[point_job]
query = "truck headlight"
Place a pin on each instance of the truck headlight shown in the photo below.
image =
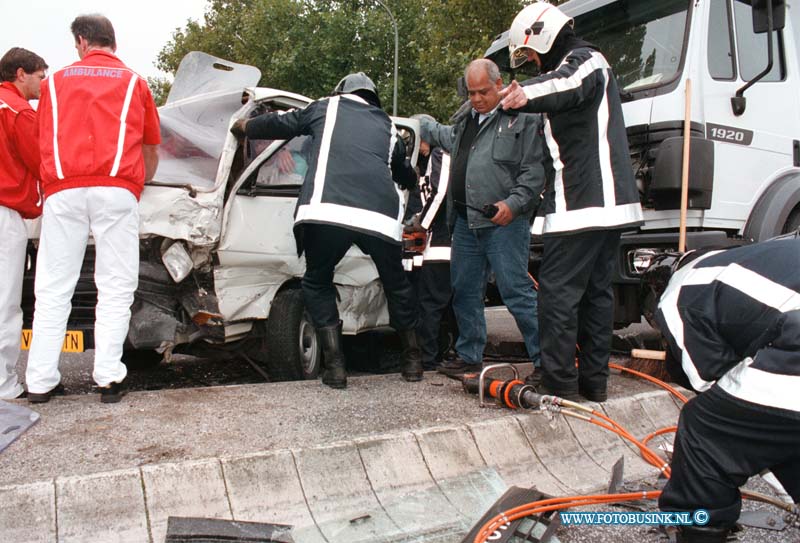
(640, 259)
(177, 261)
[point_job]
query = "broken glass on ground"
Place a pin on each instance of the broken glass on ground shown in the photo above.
(14, 421)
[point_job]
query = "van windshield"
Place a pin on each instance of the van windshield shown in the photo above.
(642, 41)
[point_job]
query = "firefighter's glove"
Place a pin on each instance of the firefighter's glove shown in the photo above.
(415, 225)
(239, 128)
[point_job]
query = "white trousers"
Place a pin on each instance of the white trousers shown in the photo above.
(111, 215)
(12, 266)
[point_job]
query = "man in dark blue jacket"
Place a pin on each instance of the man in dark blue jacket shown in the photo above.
(731, 320)
(591, 196)
(350, 196)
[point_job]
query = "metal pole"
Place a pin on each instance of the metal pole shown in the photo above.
(396, 48)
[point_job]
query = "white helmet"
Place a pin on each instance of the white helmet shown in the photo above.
(535, 27)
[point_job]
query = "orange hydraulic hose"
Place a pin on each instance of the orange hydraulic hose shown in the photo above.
(652, 379)
(607, 423)
(662, 431)
(648, 454)
(553, 504)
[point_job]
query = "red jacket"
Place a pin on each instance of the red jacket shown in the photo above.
(19, 153)
(94, 116)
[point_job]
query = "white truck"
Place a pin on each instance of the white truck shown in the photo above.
(219, 266)
(744, 182)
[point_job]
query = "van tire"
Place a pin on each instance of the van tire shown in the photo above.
(294, 351)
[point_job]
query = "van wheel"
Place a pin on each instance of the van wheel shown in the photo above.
(294, 351)
(141, 359)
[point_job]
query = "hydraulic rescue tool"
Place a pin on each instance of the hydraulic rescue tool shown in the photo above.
(515, 394)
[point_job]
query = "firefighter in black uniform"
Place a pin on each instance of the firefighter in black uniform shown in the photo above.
(350, 196)
(427, 212)
(731, 320)
(590, 195)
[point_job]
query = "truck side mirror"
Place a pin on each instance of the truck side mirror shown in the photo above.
(761, 17)
(768, 16)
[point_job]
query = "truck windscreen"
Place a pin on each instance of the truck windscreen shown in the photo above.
(643, 41)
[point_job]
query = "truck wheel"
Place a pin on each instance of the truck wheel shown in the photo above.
(141, 359)
(293, 350)
(792, 222)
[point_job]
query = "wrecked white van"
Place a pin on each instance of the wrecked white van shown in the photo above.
(219, 264)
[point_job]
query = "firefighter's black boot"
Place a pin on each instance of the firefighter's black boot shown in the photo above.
(335, 376)
(702, 534)
(412, 356)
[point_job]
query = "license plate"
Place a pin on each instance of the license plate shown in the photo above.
(73, 341)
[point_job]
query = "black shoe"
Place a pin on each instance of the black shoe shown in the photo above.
(458, 367)
(44, 397)
(412, 357)
(334, 375)
(112, 393)
(534, 379)
(594, 395)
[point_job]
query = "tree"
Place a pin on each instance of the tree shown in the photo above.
(160, 87)
(306, 46)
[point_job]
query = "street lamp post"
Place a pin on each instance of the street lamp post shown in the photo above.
(396, 41)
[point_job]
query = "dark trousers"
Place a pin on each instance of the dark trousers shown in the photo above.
(576, 305)
(433, 292)
(325, 245)
(723, 441)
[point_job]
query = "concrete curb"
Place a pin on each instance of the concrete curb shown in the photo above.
(426, 485)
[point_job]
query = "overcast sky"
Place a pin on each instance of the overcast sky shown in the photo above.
(142, 27)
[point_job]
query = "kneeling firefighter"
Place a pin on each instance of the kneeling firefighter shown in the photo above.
(349, 196)
(731, 321)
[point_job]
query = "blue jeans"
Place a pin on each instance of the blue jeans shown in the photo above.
(504, 249)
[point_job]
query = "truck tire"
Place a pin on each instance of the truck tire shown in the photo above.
(294, 351)
(141, 359)
(792, 222)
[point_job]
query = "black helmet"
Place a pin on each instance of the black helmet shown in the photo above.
(654, 283)
(656, 278)
(353, 82)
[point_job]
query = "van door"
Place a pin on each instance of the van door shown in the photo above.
(257, 252)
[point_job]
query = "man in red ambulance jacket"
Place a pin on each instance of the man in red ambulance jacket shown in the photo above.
(21, 73)
(98, 133)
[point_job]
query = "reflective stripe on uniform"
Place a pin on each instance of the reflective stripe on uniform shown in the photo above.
(742, 381)
(363, 219)
(54, 100)
(436, 254)
(441, 192)
(123, 125)
(324, 151)
(762, 387)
